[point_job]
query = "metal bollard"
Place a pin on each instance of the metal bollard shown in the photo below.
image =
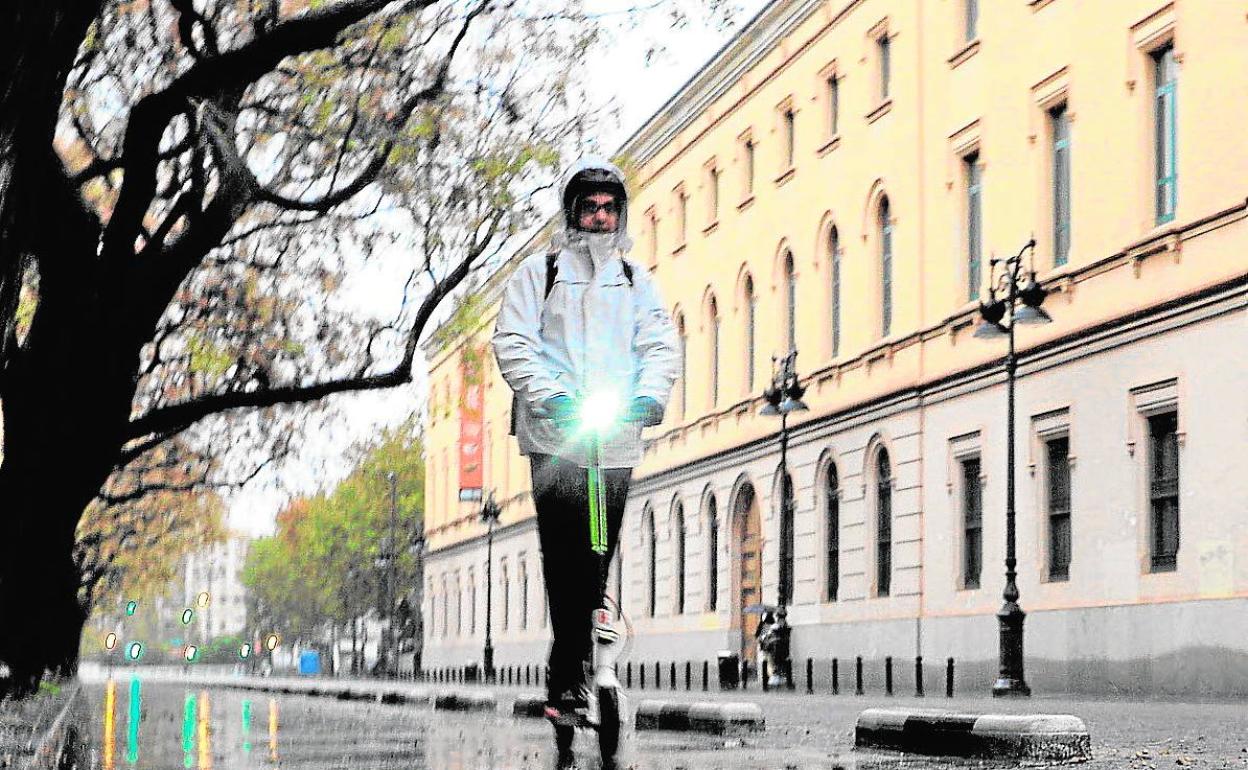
(706, 674)
(658, 676)
(672, 677)
(765, 679)
(810, 676)
(949, 678)
(918, 676)
(836, 677)
(688, 675)
(888, 675)
(858, 676)
(628, 675)
(745, 674)
(642, 670)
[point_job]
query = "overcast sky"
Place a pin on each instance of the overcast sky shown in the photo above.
(637, 96)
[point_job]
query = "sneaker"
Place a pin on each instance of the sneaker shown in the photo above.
(570, 707)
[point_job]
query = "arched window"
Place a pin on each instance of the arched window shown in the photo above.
(680, 331)
(678, 521)
(524, 595)
(790, 304)
(459, 608)
(834, 298)
(446, 608)
(712, 555)
(886, 269)
(652, 566)
(832, 522)
(472, 603)
(506, 596)
(750, 303)
(884, 524)
(786, 541)
(713, 324)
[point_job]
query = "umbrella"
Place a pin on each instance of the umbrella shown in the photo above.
(759, 609)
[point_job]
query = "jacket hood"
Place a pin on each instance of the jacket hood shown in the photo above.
(567, 236)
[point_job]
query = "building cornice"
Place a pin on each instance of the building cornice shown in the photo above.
(1226, 297)
(724, 70)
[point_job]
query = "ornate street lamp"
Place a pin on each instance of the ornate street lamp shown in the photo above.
(490, 513)
(783, 396)
(1021, 305)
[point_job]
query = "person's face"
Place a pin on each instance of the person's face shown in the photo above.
(598, 213)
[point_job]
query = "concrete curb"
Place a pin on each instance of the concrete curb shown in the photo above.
(700, 716)
(465, 702)
(529, 706)
(390, 697)
(1047, 737)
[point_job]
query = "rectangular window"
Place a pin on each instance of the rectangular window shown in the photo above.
(712, 204)
(974, 225)
(1057, 463)
(834, 105)
(749, 167)
(972, 523)
(972, 20)
(682, 214)
(1163, 477)
(836, 295)
(790, 137)
(1059, 128)
(1164, 144)
(885, 65)
(654, 235)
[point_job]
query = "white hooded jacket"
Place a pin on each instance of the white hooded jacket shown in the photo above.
(593, 334)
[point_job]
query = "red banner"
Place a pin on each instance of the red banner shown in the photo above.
(471, 452)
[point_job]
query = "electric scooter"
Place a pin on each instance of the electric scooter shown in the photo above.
(605, 712)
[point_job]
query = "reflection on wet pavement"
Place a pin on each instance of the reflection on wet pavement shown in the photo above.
(318, 734)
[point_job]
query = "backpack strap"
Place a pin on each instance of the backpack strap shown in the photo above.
(552, 270)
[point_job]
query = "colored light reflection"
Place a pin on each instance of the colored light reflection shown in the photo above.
(132, 726)
(203, 599)
(110, 720)
(205, 736)
(246, 727)
(273, 729)
(110, 641)
(187, 614)
(131, 607)
(188, 730)
(271, 642)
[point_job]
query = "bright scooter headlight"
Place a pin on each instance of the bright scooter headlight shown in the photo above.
(600, 411)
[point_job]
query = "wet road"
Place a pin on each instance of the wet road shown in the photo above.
(144, 726)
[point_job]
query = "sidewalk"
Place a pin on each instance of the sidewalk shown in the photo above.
(1127, 735)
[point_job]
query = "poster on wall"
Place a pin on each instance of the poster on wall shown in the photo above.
(471, 452)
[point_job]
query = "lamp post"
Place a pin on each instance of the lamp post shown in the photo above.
(1010, 617)
(490, 513)
(783, 396)
(392, 662)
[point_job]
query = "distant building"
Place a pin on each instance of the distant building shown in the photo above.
(217, 570)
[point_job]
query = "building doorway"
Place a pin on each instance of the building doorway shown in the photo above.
(747, 573)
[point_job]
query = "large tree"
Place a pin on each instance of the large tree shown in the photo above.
(184, 187)
(190, 194)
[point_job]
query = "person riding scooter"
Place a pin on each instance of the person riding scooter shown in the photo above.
(577, 319)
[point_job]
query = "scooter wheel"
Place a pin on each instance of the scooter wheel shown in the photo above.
(609, 725)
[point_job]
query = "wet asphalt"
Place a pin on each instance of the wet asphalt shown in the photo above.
(138, 725)
(187, 725)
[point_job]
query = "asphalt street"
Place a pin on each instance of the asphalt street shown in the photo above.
(195, 726)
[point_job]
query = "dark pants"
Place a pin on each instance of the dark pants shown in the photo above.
(574, 582)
